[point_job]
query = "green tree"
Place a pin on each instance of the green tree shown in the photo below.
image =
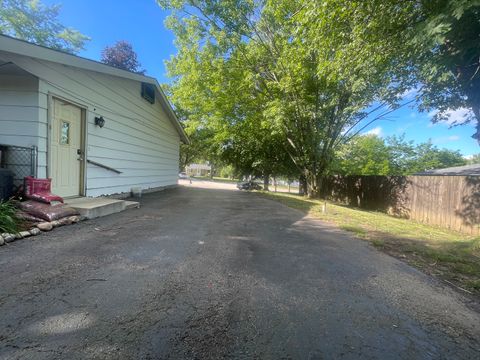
(408, 159)
(402, 155)
(301, 67)
(199, 148)
(447, 58)
(364, 155)
(33, 21)
(254, 150)
(432, 47)
(475, 159)
(372, 155)
(430, 157)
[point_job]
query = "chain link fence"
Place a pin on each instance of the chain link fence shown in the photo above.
(22, 161)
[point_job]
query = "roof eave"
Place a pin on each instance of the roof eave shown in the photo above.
(25, 48)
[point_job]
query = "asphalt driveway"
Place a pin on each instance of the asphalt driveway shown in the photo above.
(210, 274)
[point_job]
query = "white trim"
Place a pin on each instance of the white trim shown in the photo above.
(83, 138)
(27, 49)
(48, 170)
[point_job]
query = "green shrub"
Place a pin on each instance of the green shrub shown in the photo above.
(9, 223)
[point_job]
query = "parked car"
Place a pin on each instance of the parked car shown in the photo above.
(248, 185)
(183, 175)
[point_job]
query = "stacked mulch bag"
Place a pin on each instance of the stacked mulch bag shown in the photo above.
(43, 205)
(36, 211)
(42, 212)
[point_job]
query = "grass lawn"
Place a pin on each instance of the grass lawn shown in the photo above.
(454, 257)
(284, 188)
(217, 179)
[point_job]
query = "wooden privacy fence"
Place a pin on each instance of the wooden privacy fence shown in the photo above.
(452, 202)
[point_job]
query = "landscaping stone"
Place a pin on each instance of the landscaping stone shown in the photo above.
(9, 238)
(56, 223)
(25, 234)
(65, 221)
(35, 231)
(45, 226)
(74, 219)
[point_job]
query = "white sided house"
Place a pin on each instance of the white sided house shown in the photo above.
(99, 130)
(198, 169)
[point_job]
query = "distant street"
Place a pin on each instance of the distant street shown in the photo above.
(207, 272)
(218, 184)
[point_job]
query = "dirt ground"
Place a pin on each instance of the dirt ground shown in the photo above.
(206, 273)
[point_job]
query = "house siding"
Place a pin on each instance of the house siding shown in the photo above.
(138, 139)
(20, 111)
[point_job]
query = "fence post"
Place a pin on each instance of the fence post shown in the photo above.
(34, 161)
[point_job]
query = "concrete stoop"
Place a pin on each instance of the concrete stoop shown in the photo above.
(131, 205)
(92, 208)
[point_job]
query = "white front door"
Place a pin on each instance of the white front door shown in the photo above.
(65, 147)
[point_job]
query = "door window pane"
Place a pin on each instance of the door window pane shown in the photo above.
(65, 133)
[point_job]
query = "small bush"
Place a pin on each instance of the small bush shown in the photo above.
(9, 223)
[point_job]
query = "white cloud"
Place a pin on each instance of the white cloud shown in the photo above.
(468, 157)
(375, 131)
(410, 93)
(453, 116)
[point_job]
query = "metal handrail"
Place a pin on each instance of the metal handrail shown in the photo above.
(104, 166)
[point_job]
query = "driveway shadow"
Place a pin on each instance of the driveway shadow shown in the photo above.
(208, 273)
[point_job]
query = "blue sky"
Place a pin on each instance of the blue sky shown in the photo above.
(140, 22)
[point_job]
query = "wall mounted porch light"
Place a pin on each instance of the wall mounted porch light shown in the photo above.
(100, 121)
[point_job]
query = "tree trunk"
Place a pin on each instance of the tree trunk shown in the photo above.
(476, 112)
(302, 185)
(320, 186)
(312, 187)
(212, 169)
(314, 184)
(266, 179)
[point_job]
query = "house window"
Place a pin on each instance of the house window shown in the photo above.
(148, 92)
(65, 133)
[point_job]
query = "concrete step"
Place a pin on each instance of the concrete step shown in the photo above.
(93, 208)
(132, 204)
